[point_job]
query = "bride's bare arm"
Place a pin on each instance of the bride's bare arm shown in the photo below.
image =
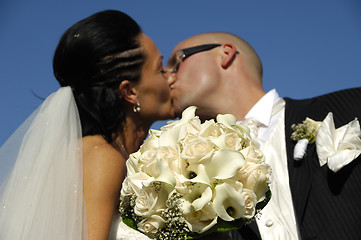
(104, 170)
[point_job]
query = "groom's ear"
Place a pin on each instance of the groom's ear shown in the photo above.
(128, 92)
(229, 52)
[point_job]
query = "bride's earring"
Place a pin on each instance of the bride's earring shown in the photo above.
(136, 108)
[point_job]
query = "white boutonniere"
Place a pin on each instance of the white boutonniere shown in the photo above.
(304, 133)
(336, 147)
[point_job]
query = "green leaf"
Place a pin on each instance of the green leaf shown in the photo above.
(221, 226)
(262, 204)
(129, 222)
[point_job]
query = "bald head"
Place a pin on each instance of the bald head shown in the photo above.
(223, 79)
(245, 49)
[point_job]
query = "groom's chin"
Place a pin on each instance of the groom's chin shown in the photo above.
(178, 110)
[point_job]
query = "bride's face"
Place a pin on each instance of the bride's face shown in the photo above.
(153, 88)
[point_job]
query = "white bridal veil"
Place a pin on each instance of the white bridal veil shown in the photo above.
(41, 193)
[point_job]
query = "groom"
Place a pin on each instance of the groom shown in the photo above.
(221, 73)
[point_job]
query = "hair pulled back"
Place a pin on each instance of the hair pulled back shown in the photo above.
(93, 57)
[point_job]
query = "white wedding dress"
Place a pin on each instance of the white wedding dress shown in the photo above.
(41, 177)
(120, 231)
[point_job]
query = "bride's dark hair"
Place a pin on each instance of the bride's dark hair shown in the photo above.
(93, 57)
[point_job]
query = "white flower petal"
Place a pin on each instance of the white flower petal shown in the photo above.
(201, 220)
(165, 175)
(151, 142)
(228, 203)
(224, 164)
(189, 113)
(205, 198)
(226, 119)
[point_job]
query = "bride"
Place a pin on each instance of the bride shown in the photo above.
(62, 169)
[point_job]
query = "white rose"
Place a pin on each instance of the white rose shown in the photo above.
(172, 133)
(151, 225)
(155, 163)
(253, 154)
(172, 156)
(132, 163)
(250, 202)
(233, 141)
(228, 123)
(151, 200)
(193, 126)
(197, 150)
(201, 220)
(255, 177)
(147, 162)
(230, 139)
(152, 141)
(210, 129)
(134, 183)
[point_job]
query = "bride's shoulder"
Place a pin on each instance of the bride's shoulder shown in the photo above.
(101, 159)
(96, 147)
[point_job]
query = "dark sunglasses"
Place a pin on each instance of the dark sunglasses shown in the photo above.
(182, 54)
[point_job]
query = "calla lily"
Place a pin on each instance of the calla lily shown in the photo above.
(165, 174)
(226, 119)
(197, 208)
(201, 174)
(206, 197)
(228, 203)
(198, 195)
(189, 113)
(224, 164)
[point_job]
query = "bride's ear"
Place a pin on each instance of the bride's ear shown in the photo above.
(228, 54)
(128, 92)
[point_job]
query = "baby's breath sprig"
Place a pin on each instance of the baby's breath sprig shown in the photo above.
(305, 130)
(126, 209)
(176, 227)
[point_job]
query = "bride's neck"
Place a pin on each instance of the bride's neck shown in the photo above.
(132, 134)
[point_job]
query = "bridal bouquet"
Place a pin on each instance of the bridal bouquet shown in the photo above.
(190, 179)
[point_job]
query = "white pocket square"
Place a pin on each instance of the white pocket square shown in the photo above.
(338, 147)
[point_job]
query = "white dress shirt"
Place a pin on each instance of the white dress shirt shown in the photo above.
(277, 219)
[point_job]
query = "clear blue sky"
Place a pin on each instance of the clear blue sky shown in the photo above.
(307, 47)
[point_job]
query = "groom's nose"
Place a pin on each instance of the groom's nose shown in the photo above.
(171, 79)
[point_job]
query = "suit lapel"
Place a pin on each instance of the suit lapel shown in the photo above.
(300, 172)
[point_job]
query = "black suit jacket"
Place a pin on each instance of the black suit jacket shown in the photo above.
(327, 204)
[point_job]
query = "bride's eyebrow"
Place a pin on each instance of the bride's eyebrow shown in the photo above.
(160, 62)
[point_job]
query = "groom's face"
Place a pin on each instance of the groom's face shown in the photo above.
(195, 77)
